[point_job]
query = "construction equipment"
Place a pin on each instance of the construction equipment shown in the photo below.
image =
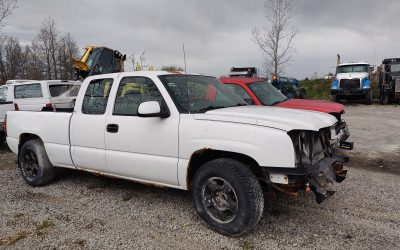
(99, 60)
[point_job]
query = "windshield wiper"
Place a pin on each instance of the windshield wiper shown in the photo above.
(210, 108)
(272, 104)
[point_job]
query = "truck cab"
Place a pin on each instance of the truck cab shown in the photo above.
(352, 81)
(389, 80)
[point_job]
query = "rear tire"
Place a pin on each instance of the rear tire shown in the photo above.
(227, 196)
(34, 164)
(334, 98)
(368, 97)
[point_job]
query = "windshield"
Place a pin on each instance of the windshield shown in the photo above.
(352, 68)
(3, 94)
(395, 67)
(266, 93)
(198, 94)
(92, 56)
(57, 90)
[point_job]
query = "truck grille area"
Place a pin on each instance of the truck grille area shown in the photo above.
(350, 84)
(310, 146)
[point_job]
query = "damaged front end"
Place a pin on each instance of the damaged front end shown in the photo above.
(317, 165)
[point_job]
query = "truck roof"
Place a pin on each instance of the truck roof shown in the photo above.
(353, 63)
(57, 82)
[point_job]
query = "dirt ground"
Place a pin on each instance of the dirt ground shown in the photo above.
(83, 211)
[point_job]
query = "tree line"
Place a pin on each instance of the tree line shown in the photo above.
(48, 56)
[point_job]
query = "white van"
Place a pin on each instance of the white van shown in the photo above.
(48, 95)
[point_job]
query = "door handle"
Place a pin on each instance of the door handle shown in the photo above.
(112, 128)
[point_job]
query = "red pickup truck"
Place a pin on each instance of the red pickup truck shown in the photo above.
(258, 91)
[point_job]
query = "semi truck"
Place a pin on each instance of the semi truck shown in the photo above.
(389, 80)
(352, 81)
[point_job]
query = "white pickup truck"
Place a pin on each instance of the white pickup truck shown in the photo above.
(182, 131)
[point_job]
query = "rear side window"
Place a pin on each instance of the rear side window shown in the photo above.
(96, 96)
(132, 91)
(57, 90)
(3, 94)
(28, 91)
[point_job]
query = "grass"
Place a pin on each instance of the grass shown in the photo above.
(319, 89)
(10, 240)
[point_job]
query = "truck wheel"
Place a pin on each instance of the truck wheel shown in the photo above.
(334, 98)
(368, 97)
(385, 99)
(227, 196)
(34, 164)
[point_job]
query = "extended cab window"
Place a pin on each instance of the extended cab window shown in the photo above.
(3, 94)
(28, 91)
(132, 91)
(241, 92)
(96, 96)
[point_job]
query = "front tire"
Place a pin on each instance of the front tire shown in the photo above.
(385, 99)
(368, 97)
(227, 196)
(34, 164)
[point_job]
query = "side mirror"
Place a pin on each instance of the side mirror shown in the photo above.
(153, 109)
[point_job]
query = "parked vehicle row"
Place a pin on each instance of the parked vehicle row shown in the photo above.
(226, 152)
(36, 96)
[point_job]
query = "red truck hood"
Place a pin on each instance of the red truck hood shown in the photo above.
(315, 105)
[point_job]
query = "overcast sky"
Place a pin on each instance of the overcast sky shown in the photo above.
(217, 33)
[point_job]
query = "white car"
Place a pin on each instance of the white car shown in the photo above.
(37, 96)
(187, 132)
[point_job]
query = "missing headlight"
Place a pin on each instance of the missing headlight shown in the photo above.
(310, 146)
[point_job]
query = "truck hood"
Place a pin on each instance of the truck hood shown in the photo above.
(275, 117)
(351, 75)
(315, 105)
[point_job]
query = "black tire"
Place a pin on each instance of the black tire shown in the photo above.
(368, 97)
(334, 98)
(385, 99)
(34, 164)
(234, 184)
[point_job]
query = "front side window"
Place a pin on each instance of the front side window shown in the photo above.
(198, 94)
(28, 91)
(241, 92)
(3, 94)
(132, 91)
(96, 96)
(266, 93)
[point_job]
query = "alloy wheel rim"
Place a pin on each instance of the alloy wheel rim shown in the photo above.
(219, 199)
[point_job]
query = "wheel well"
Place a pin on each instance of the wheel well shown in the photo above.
(26, 137)
(200, 157)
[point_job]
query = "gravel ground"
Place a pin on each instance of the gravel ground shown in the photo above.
(80, 210)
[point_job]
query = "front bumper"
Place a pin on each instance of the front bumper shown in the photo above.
(316, 178)
(347, 92)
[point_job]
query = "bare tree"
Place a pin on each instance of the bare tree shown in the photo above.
(138, 63)
(48, 39)
(6, 8)
(276, 39)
